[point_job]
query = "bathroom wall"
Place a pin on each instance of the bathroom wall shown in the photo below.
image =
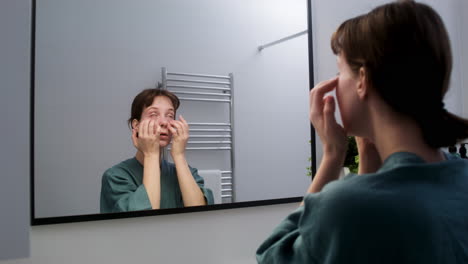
(228, 236)
(14, 123)
(464, 56)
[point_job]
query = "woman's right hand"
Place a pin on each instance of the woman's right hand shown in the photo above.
(322, 116)
(147, 140)
(332, 135)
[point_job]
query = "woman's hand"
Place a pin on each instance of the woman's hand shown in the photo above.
(332, 135)
(369, 158)
(180, 135)
(322, 116)
(147, 140)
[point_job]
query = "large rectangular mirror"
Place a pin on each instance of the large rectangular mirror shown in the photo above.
(241, 70)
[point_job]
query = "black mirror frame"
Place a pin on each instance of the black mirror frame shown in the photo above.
(93, 217)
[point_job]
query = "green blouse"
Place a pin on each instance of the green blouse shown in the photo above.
(122, 188)
(408, 211)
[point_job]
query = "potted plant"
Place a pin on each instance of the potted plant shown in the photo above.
(309, 169)
(351, 163)
(352, 156)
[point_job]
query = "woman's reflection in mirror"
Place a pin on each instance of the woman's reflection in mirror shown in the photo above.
(147, 181)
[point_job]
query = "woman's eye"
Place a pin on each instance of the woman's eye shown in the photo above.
(153, 114)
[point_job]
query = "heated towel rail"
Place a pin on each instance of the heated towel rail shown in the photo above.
(208, 136)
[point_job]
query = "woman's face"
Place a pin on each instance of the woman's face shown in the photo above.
(347, 96)
(162, 112)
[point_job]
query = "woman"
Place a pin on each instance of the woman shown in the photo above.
(146, 181)
(394, 67)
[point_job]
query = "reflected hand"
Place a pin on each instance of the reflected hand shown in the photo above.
(369, 158)
(180, 135)
(322, 116)
(147, 140)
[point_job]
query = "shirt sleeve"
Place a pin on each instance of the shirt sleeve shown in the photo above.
(120, 194)
(207, 193)
(286, 244)
(307, 235)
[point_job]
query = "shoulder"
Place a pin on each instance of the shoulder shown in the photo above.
(340, 212)
(383, 197)
(120, 170)
(339, 194)
(345, 214)
(352, 199)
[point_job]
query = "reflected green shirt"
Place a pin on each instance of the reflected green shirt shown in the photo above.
(122, 188)
(408, 211)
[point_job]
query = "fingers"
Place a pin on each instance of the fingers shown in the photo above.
(329, 110)
(182, 119)
(157, 129)
(151, 128)
(325, 86)
(134, 138)
(143, 128)
(185, 125)
(177, 125)
(317, 93)
(365, 145)
(362, 141)
(172, 129)
(147, 140)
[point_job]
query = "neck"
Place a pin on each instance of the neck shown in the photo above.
(392, 133)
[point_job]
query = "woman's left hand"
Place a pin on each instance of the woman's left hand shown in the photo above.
(369, 157)
(180, 135)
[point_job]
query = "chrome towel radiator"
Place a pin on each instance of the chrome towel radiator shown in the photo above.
(206, 136)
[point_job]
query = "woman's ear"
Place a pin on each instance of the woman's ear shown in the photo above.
(362, 87)
(135, 124)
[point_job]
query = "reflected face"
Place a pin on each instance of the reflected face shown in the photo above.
(346, 94)
(161, 111)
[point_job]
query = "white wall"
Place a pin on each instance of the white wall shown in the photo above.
(464, 56)
(14, 124)
(127, 240)
(230, 236)
(451, 13)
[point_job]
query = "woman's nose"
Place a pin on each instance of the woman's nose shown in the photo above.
(163, 122)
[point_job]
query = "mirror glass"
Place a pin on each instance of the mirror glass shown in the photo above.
(247, 109)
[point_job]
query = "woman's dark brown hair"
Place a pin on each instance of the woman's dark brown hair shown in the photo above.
(405, 50)
(145, 98)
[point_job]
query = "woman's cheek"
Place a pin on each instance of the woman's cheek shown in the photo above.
(338, 95)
